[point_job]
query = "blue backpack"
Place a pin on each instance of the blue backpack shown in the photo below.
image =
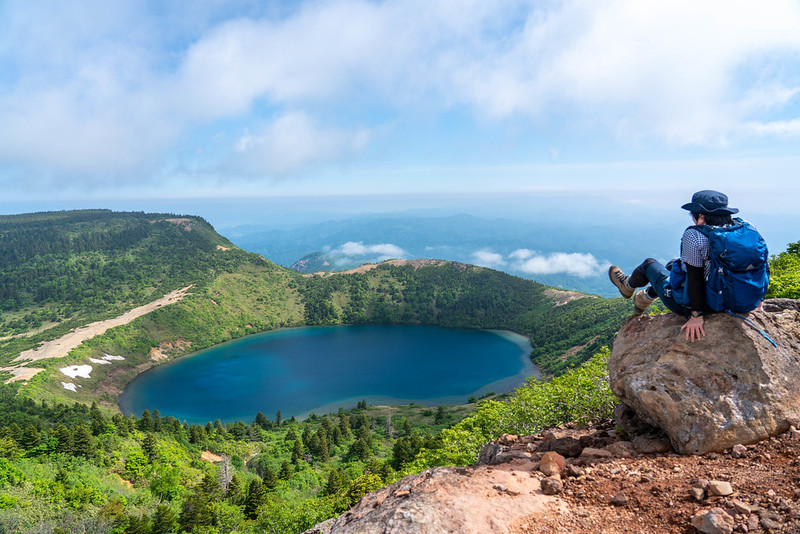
(739, 276)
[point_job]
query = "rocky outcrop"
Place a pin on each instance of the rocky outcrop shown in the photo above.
(518, 488)
(450, 499)
(731, 387)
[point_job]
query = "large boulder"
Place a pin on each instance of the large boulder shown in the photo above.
(732, 386)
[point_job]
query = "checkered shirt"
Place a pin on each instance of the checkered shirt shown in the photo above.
(695, 250)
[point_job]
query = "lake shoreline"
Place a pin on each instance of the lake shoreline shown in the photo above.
(129, 402)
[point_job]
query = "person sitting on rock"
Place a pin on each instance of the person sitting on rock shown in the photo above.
(707, 208)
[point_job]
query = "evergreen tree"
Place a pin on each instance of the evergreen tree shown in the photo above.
(196, 514)
(138, 525)
(362, 421)
(359, 450)
(328, 427)
(286, 471)
(122, 424)
(198, 511)
(146, 422)
(335, 483)
(270, 479)
(278, 418)
(239, 431)
(262, 421)
(149, 447)
(297, 451)
(440, 416)
(176, 427)
(197, 434)
(165, 520)
(406, 427)
(344, 426)
(256, 497)
(29, 437)
(210, 487)
(97, 422)
(363, 433)
(236, 490)
(314, 445)
(65, 439)
(307, 437)
(338, 439)
(158, 421)
(219, 428)
(323, 450)
(385, 471)
(83, 442)
(405, 450)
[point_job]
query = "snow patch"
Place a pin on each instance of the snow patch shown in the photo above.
(70, 386)
(73, 371)
(102, 362)
(111, 357)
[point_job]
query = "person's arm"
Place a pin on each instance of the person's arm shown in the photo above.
(696, 287)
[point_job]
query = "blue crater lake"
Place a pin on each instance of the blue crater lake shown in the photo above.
(319, 369)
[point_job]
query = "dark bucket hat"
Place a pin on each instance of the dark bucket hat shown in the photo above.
(710, 202)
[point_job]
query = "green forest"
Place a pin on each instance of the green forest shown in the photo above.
(70, 462)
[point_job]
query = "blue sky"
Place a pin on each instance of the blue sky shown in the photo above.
(641, 101)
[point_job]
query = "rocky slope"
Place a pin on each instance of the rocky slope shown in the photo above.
(611, 486)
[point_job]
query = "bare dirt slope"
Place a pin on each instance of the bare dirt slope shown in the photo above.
(59, 348)
(652, 492)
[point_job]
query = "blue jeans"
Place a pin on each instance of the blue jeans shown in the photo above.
(658, 276)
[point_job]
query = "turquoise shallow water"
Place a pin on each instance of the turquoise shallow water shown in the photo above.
(319, 369)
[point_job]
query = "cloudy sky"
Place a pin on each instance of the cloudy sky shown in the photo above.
(247, 99)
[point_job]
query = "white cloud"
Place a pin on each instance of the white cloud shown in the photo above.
(358, 248)
(575, 264)
(790, 128)
(531, 262)
(108, 89)
(521, 254)
(667, 69)
(487, 258)
(291, 142)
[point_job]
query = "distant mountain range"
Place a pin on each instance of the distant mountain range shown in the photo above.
(557, 252)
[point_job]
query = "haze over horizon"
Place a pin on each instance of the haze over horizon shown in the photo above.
(274, 113)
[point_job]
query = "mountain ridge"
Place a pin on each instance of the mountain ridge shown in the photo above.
(236, 292)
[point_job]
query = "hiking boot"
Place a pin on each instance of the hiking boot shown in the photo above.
(619, 279)
(641, 300)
